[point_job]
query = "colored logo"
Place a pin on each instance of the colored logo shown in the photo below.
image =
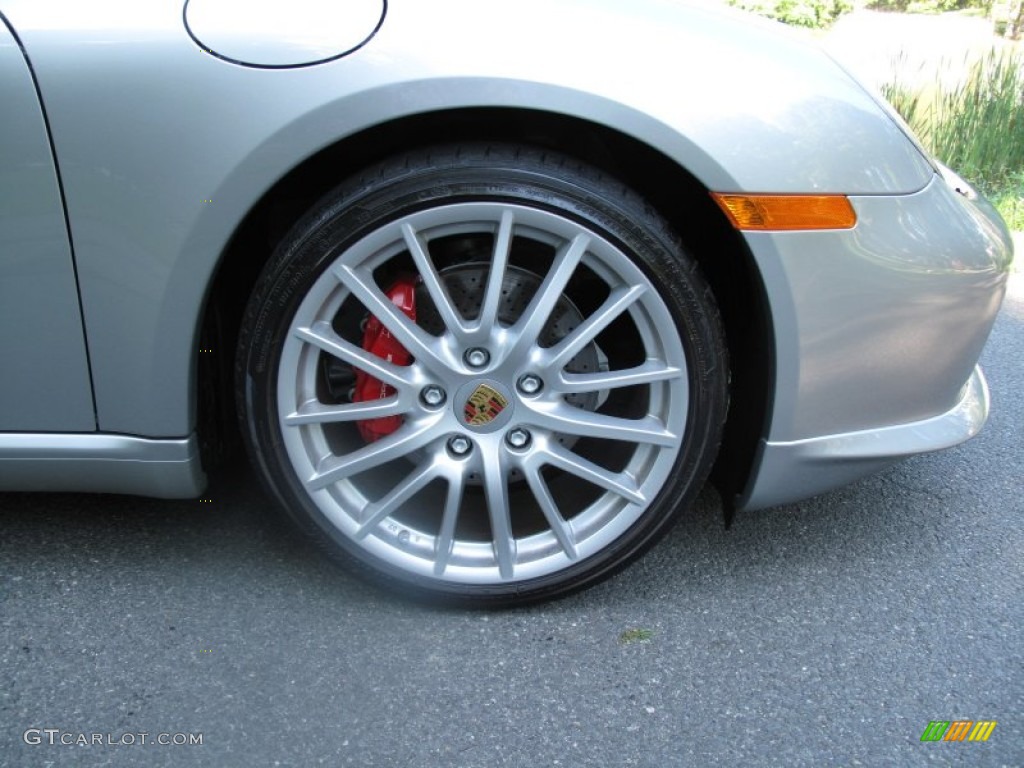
(958, 730)
(484, 406)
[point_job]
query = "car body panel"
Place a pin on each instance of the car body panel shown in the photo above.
(164, 149)
(789, 471)
(889, 318)
(148, 128)
(44, 385)
(98, 463)
(270, 33)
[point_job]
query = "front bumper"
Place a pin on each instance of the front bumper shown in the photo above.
(822, 463)
(876, 330)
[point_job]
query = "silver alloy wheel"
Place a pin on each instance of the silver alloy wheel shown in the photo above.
(503, 510)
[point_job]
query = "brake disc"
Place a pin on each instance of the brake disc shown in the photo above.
(466, 284)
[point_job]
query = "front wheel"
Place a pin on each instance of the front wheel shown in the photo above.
(487, 374)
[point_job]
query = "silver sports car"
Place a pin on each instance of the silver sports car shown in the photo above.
(492, 288)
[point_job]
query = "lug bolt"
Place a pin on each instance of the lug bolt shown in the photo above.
(433, 396)
(518, 438)
(530, 384)
(477, 357)
(459, 445)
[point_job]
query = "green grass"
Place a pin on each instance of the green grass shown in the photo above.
(1010, 202)
(636, 636)
(976, 127)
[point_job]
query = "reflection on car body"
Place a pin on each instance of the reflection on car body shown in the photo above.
(493, 294)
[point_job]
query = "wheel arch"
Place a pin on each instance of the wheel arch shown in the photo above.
(673, 191)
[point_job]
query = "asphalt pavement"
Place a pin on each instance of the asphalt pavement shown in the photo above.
(825, 633)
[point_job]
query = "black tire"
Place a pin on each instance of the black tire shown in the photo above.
(604, 499)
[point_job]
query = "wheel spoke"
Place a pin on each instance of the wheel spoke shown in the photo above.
(619, 483)
(407, 487)
(559, 417)
(496, 276)
(562, 530)
(648, 373)
(513, 291)
(621, 299)
(535, 316)
(446, 536)
(496, 490)
(315, 412)
(420, 344)
(322, 336)
(453, 321)
(394, 446)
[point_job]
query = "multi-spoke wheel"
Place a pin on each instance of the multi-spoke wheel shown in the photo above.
(483, 373)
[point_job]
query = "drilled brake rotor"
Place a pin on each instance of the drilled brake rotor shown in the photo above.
(466, 284)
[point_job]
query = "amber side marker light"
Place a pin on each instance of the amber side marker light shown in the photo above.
(787, 212)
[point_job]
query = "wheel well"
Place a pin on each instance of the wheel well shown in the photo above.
(671, 190)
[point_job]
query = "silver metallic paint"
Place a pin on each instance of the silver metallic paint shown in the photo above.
(148, 128)
(789, 471)
(271, 33)
(44, 373)
(165, 469)
(888, 318)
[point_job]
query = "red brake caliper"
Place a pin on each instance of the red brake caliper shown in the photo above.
(378, 340)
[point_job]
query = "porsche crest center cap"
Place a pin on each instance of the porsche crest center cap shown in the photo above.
(486, 405)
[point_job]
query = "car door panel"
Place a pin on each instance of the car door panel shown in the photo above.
(44, 372)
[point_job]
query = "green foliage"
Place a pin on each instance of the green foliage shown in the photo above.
(1014, 22)
(815, 14)
(1010, 203)
(977, 127)
(930, 6)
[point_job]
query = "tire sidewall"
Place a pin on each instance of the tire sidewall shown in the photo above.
(444, 177)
